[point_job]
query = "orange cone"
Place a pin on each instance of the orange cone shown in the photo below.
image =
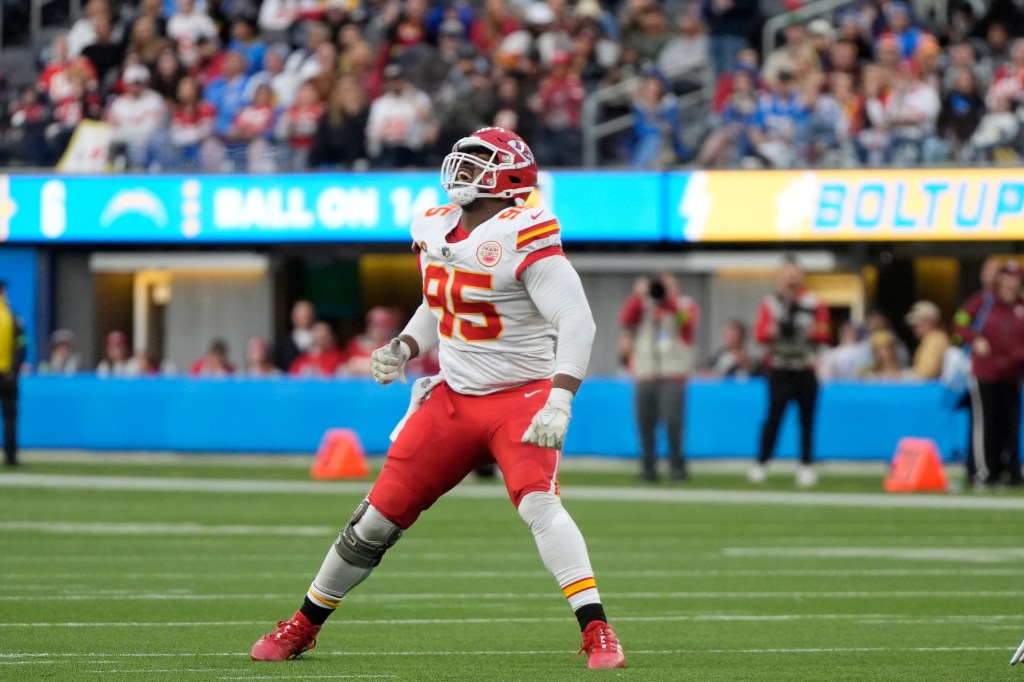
(340, 455)
(916, 467)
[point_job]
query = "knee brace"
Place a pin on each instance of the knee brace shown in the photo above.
(367, 537)
(541, 510)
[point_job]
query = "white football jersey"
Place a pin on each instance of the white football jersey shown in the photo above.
(491, 334)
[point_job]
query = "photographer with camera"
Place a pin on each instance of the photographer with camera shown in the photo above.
(658, 324)
(792, 322)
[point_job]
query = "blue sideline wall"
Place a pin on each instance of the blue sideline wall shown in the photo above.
(855, 421)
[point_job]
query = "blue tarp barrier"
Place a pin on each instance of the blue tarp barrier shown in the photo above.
(723, 418)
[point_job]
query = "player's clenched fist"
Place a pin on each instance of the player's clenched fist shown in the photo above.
(387, 363)
(547, 430)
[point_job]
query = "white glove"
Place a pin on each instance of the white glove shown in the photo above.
(387, 363)
(1019, 656)
(547, 430)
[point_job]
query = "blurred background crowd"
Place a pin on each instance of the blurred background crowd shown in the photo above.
(295, 85)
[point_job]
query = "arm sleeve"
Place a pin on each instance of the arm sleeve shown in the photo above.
(963, 320)
(556, 290)
(822, 324)
(422, 327)
(764, 320)
(632, 312)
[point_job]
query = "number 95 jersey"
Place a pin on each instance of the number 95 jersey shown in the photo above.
(491, 335)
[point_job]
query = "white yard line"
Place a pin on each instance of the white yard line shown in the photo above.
(124, 595)
(471, 490)
(189, 529)
(878, 619)
(518, 652)
(962, 554)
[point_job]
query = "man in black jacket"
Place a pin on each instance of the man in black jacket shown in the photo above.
(12, 354)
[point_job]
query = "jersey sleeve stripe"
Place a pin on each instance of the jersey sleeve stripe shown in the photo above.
(534, 232)
(537, 255)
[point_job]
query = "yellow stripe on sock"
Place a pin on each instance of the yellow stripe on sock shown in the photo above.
(331, 604)
(578, 586)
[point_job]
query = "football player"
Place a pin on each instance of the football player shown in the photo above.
(514, 331)
(1018, 655)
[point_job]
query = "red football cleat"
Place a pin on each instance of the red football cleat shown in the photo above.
(602, 646)
(290, 639)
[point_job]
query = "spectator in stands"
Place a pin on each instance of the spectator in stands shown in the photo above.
(136, 117)
(784, 59)
(511, 110)
(962, 111)
(842, 58)
(302, 60)
(84, 31)
(227, 94)
(899, 24)
(822, 37)
(732, 359)
(652, 35)
(962, 58)
(300, 337)
(145, 44)
(845, 361)
(731, 24)
(254, 128)
(747, 62)
(54, 81)
(466, 110)
(683, 61)
(276, 17)
(381, 327)
(659, 324)
(657, 128)
(116, 362)
(492, 25)
(851, 33)
(62, 360)
(215, 363)
(740, 129)
(327, 71)
(257, 359)
(105, 52)
(925, 319)
(997, 137)
(994, 327)
(78, 104)
(28, 119)
(407, 28)
(186, 27)
(559, 105)
(400, 123)
(322, 358)
(283, 84)
(298, 126)
(244, 40)
(1008, 80)
(793, 323)
(340, 135)
(997, 46)
(884, 363)
(168, 74)
(151, 9)
(210, 62)
(191, 125)
(907, 118)
(786, 114)
(836, 120)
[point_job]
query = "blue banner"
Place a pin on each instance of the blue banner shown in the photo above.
(370, 207)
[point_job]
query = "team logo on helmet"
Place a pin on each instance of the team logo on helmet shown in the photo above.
(489, 253)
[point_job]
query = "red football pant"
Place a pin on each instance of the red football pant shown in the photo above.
(452, 434)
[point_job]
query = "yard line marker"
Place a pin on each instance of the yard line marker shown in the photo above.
(477, 491)
(536, 652)
(518, 596)
(881, 619)
(157, 529)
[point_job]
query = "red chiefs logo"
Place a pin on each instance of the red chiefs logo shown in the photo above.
(489, 253)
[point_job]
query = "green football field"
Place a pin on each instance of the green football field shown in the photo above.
(123, 570)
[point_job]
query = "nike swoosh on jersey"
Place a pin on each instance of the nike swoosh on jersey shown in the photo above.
(532, 393)
(534, 216)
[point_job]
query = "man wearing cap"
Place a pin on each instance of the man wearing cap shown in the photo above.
(400, 123)
(994, 327)
(137, 115)
(925, 320)
(12, 354)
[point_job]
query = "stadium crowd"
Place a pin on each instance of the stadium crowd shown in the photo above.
(351, 84)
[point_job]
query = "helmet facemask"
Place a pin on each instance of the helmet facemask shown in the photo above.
(472, 170)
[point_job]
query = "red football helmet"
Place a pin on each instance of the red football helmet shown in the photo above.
(509, 172)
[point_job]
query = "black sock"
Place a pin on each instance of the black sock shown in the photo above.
(317, 615)
(588, 613)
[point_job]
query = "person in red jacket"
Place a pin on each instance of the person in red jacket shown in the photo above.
(793, 322)
(323, 358)
(994, 327)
